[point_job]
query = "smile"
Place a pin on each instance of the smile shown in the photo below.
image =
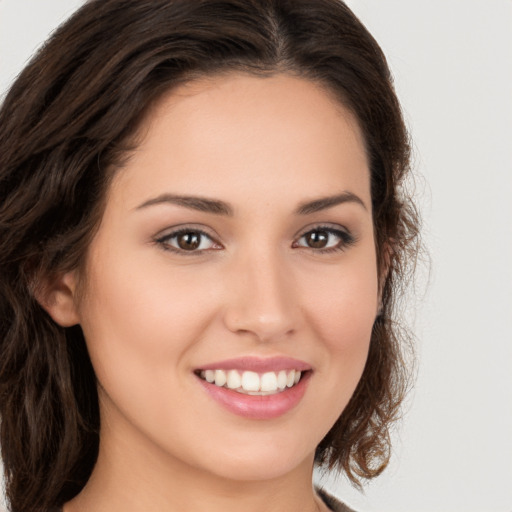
(252, 383)
(256, 388)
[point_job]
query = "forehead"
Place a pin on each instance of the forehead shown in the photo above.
(252, 133)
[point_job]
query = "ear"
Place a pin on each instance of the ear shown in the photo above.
(57, 296)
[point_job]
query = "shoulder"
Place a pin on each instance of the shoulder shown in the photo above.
(333, 503)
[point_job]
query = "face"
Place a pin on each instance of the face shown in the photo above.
(232, 286)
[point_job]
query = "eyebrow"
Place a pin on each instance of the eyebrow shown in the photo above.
(194, 203)
(323, 203)
(218, 207)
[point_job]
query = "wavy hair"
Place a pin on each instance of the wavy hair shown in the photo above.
(65, 126)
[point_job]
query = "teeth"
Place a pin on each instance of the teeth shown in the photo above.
(282, 379)
(233, 381)
(220, 377)
(268, 382)
(251, 382)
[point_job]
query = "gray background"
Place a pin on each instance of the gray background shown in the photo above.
(452, 61)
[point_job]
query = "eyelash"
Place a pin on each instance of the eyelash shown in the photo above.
(163, 241)
(346, 240)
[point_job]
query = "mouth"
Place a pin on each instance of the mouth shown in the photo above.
(250, 382)
(256, 388)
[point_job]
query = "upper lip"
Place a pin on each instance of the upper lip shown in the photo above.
(258, 364)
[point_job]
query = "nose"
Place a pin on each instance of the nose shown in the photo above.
(262, 302)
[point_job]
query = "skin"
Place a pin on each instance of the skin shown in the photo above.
(255, 287)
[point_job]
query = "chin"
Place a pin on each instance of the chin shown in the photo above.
(259, 469)
(262, 459)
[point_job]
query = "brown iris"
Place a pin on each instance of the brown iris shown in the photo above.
(189, 241)
(317, 239)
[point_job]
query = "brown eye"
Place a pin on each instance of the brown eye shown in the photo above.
(189, 241)
(317, 239)
(325, 239)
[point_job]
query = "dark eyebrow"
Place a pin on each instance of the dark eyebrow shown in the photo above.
(195, 203)
(328, 202)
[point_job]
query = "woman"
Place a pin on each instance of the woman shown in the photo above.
(202, 239)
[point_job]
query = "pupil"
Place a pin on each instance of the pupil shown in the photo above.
(318, 239)
(189, 241)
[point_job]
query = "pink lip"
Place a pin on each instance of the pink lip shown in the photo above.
(258, 364)
(258, 407)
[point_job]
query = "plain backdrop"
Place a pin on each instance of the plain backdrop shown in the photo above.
(452, 62)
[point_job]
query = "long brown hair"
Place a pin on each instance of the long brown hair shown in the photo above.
(67, 122)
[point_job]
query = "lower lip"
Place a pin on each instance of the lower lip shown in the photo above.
(258, 407)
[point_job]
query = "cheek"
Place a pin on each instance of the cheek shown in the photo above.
(138, 302)
(139, 324)
(136, 318)
(340, 316)
(342, 313)
(344, 305)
